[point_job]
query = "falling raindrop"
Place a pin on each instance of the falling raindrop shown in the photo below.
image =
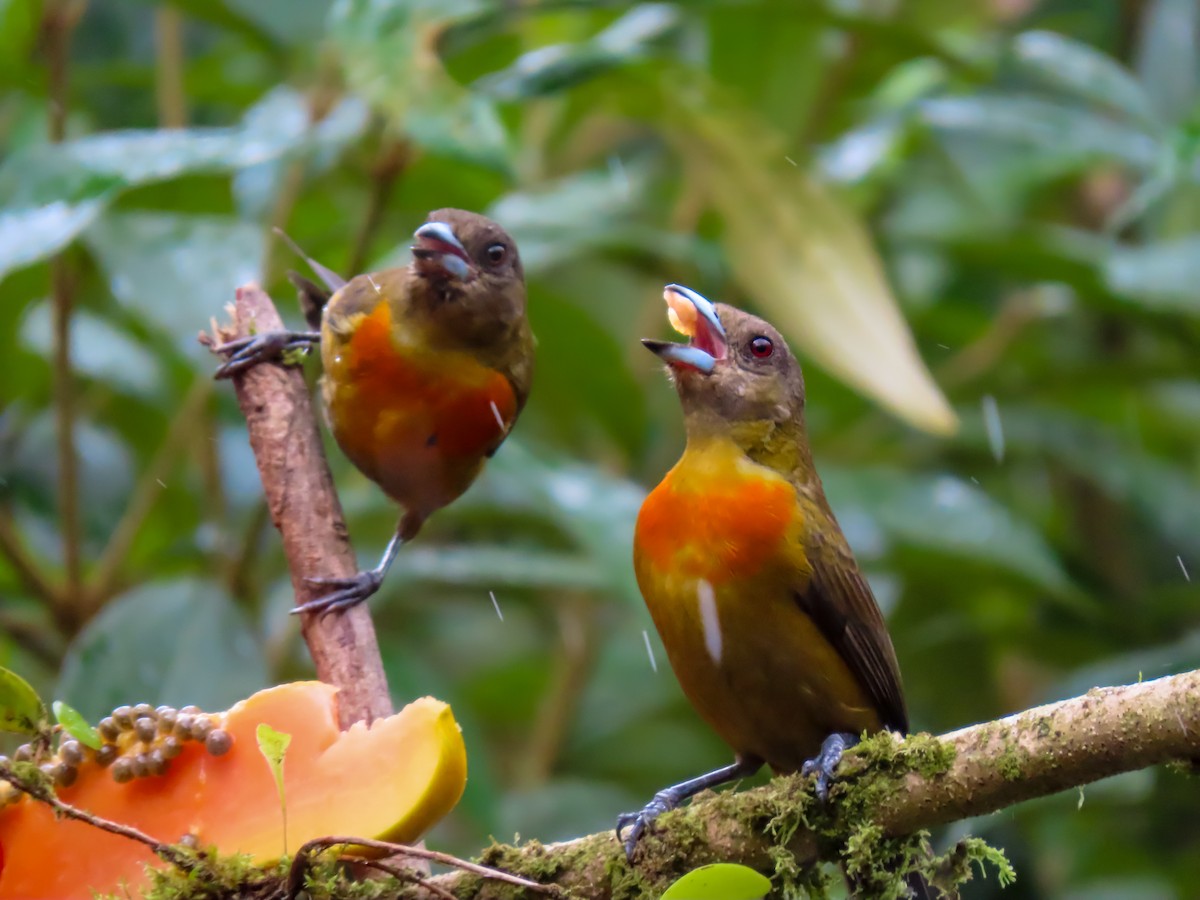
(995, 431)
(1183, 568)
(496, 604)
(649, 650)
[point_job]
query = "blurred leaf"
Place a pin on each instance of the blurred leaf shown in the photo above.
(1167, 56)
(295, 22)
(557, 67)
(19, 23)
(99, 350)
(387, 49)
(719, 881)
(49, 193)
(176, 271)
(946, 514)
(76, 725)
(808, 263)
(21, 709)
(1161, 274)
(1075, 67)
(1071, 136)
(482, 566)
(175, 642)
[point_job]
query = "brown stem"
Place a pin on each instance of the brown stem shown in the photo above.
(169, 62)
(58, 25)
(995, 765)
(305, 508)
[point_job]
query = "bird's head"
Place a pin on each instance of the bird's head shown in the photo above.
(457, 246)
(735, 368)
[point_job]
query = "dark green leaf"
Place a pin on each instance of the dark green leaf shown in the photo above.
(175, 642)
(719, 881)
(21, 709)
(76, 725)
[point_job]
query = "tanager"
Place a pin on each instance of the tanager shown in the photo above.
(769, 624)
(426, 368)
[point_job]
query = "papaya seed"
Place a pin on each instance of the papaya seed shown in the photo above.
(218, 742)
(123, 716)
(166, 719)
(190, 710)
(65, 775)
(156, 763)
(201, 728)
(24, 753)
(143, 711)
(183, 725)
(170, 747)
(105, 755)
(108, 729)
(70, 752)
(122, 770)
(145, 728)
(141, 765)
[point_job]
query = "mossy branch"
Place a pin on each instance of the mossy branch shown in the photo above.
(898, 786)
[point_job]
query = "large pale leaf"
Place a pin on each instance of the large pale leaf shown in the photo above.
(808, 263)
(1167, 55)
(50, 193)
(1162, 274)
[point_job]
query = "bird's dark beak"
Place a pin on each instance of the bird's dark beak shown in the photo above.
(439, 252)
(693, 315)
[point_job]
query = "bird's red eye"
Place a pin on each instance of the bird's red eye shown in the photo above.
(761, 347)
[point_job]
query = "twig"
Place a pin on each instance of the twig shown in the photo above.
(165, 852)
(32, 639)
(995, 764)
(391, 162)
(402, 874)
(300, 863)
(304, 507)
(26, 568)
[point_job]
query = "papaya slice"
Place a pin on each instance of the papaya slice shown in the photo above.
(392, 780)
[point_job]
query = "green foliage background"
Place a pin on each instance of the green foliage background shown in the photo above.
(1020, 177)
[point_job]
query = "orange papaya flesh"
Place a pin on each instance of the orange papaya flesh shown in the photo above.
(392, 780)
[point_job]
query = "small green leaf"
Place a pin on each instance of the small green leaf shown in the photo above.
(719, 881)
(21, 709)
(76, 725)
(273, 745)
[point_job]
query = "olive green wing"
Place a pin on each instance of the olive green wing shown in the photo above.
(839, 600)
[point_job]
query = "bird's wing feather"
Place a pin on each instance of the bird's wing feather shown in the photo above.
(839, 600)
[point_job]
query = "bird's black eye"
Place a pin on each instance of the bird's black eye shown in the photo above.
(496, 253)
(761, 347)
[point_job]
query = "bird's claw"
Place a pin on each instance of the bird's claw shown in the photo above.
(637, 822)
(257, 348)
(349, 592)
(826, 762)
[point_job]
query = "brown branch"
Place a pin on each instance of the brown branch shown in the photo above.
(304, 507)
(58, 25)
(386, 170)
(995, 765)
(169, 65)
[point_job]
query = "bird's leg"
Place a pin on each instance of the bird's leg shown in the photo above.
(671, 797)
(357, 588)
(257, 348)
(827, 760)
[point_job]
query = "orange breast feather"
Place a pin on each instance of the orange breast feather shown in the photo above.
(714, 522)
(444, 398)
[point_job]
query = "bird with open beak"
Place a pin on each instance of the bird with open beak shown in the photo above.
(426, 368)
(769, 624)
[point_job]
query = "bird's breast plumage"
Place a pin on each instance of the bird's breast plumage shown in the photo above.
(416, 418)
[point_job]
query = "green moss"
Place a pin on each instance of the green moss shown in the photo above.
(1009, 762)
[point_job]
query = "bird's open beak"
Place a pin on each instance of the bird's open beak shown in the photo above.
(695, 316)
(439, 252)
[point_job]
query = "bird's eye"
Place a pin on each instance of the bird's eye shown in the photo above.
(496, 253)
(761, 347)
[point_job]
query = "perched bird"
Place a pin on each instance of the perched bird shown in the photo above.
(426, 369)
(768, 622)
